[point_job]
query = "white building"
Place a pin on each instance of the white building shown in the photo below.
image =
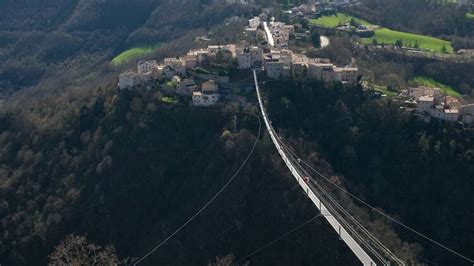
(128, 79)
(204, 99)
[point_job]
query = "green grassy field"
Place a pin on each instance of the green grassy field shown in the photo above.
(428, 82)
(470, 15)
(334, 21)
(388, 36)
(131, 53)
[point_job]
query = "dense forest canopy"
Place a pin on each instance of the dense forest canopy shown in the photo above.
(435, 18)
(83, 163)
(125, 168)
(421, 172)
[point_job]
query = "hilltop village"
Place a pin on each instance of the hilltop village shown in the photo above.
(202, 76)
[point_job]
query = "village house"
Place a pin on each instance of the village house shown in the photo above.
(228, 48)
(425, 103)
(145, 67)
(128, 79)
(208, 95)
(299, 65)
(281, 33)
(467, 112)
(315, 70)
(322, 69)
(277, 70)
(176, 79)
(304, 9)
(278, 63)
(249, 57)
(186, 87)
(175, 64)
(440, 112)
(433, 104)
(210, 86)
(417, 92)
(349, 75)
(204, 99)
(169, 72)
(189, 61)
(201, 55)
(254, 23)
(147, 70)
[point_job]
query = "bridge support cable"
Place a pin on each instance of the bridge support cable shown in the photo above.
(372, 240)
(216, 195)
(354, 245)
(373, 208)
(279, 238)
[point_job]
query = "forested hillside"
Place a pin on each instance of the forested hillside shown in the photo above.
(422, 173)
(127, 170)
(52, 45)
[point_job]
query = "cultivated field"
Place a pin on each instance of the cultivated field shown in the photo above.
(388, 36)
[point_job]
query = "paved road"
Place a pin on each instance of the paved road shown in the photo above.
(269, 34)
(324, 41)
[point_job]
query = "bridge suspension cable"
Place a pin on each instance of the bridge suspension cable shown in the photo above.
(353, 240)
(291, 151)
(370, 236)
(216, 195)
(279, 238)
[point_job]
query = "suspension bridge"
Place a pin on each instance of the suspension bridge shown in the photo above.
(362, 243)
(365, 246)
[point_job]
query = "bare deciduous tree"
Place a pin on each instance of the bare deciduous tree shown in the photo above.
(76, 250)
